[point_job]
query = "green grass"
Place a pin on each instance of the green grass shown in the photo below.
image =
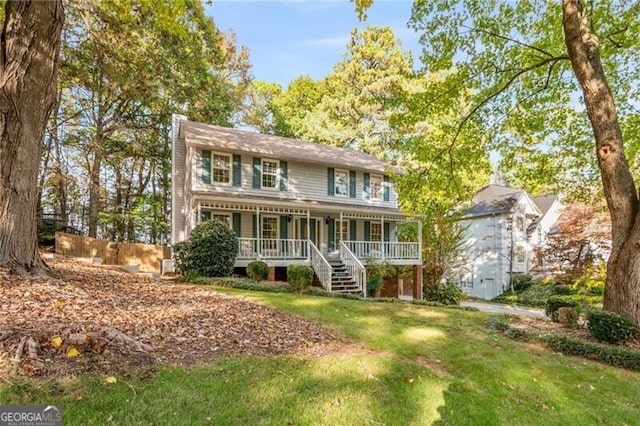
(422, 365)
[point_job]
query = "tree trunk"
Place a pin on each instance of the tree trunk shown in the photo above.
(30, 45)
(622, 292)
(94, 193)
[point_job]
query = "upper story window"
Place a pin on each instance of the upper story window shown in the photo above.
(341, 183)
(520, 223)
(270, 171)
(221, 168)
(376, 187)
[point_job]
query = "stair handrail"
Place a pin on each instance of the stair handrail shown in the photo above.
(320, 266)
(355, 267)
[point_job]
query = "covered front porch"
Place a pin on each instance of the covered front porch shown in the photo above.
(337, 241)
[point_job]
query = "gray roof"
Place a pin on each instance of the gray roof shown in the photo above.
(494, 199)
(544, 202)
(234, 140)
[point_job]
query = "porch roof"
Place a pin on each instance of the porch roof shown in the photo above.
(293, 206)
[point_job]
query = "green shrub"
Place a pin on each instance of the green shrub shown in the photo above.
(258, 270)
(610, 327)
(563, 289)
(299, 277)
(447, 293)
(613, 355)
(522, 282)
(181, 258)
(568, 316)
(556, 302)
(211, 251)
(498, 322)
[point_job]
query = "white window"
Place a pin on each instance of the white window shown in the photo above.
(269, 227)
(376, 231)
(520, 254)
(223, 218)
(206, 215)
(341, 183)
(270, 172)
(520, 224)
(466, 282)
(221, 168)
(342, 231)
(376, 187)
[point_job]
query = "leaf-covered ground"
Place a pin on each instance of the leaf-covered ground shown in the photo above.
(97, 319)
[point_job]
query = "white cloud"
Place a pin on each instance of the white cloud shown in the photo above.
(327, 42)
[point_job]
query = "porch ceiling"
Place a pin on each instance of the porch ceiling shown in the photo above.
(296, 207)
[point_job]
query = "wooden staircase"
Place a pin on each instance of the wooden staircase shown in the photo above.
(341, 279)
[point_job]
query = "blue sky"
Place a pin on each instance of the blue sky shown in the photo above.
(292, 38)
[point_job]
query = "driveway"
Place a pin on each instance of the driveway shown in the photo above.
(506, 309)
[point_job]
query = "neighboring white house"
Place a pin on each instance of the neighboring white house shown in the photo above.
(505, 226)
(289, 201)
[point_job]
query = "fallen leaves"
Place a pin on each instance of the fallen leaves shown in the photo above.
(117, 320)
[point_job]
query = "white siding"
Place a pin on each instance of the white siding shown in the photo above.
(178, 195)
(307, 181)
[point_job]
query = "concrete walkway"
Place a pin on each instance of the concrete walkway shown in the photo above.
(497, 308)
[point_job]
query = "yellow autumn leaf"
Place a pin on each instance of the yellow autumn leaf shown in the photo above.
(56, 342)
(72, 353)
(111, 380)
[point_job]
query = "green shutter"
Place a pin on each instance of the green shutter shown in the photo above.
(257, 172)
(237, 170)
(284, 223)
(352, 229)
(332, 234)
(366, 192)
(254, 225)
(284, 181)
(385, 188)
(387, 231)
(312, 231)
(367, 230)
(331, 183)
(236, 223)
(206, 166)
(352, 183)
(205, 215)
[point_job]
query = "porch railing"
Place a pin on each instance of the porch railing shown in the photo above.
(355, 267)
(321, 267)
(384, 250)
(260, 248)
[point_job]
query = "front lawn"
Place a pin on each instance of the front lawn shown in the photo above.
(409, 364)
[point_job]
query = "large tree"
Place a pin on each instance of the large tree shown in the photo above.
(30, 44)
(529, 63)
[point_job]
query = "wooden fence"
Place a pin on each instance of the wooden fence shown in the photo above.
(147, 257)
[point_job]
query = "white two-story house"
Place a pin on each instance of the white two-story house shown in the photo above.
(289, 201)
(505, 228)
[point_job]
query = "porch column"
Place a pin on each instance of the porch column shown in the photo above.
(258, 233)
(199, 213)
(339, 240)
(384, 249)
(309, 225)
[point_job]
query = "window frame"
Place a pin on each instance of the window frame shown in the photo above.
(372, 178)
(212, 167)
(520, 223)
(276, 174)
(520, 255)
(213, 214)
(341, 234)
(277, 227)
(371, 234)
(346, 183)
